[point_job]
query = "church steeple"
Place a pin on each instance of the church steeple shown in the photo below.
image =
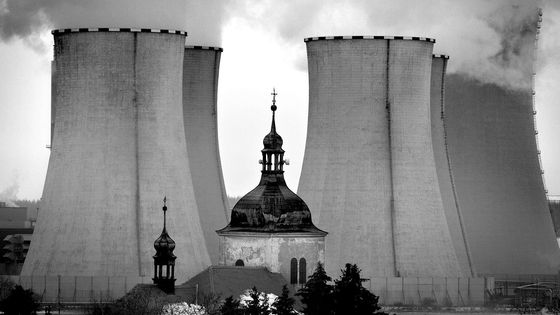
(164, 258)
(272, 154)
(271, 207)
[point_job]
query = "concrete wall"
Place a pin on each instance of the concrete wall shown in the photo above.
(346, 178)
(200, 94)
(443, 168)
(422, 239)
(272, 251)
(118, 148)
(369, 174)
(494, 159)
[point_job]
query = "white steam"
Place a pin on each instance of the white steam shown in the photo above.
(492, 41)
(28, 19)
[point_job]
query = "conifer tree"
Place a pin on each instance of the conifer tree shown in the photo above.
(230, 307)
(316, 293)
(255, 306)
(350, 297)
(284, 304)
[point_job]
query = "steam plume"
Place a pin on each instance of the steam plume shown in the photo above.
(28, 18)
(491, 41)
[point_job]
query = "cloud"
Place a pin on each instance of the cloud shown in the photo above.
(27, 19)
(9, 194)
(492, 41)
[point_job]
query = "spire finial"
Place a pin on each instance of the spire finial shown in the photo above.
(273, 107)
(164, 210)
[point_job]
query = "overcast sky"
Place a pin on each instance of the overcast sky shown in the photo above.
(264, 48)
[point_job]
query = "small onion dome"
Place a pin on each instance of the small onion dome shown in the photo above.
(164, 244)
(273, 141)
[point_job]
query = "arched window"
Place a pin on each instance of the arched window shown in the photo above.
(239, 263)
(293, 271)
(302, 271)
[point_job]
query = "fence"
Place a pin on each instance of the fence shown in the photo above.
(419, 291)
(429, 291)
(78, 289)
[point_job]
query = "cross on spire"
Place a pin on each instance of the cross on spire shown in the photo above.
(273, 107)
(164, 210)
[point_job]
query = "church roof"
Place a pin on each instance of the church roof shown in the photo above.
(229, 280)
(271, 207)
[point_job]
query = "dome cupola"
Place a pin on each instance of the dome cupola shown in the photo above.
(271, 206)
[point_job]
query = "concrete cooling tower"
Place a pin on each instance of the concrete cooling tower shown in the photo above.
(118, 148)
(200, 94)
(443, 167)
(500, 192)
(369, 175)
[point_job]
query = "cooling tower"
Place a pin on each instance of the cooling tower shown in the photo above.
(369, 175)
(443, 168)
(494, 160)
(200, 94)
(118, 148)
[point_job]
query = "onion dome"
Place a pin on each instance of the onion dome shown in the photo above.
(164, 244)
(271, 207)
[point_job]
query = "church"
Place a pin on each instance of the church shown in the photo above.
(270, 233)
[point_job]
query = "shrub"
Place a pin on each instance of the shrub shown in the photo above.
(350, 297)
(183, 308)
(428, 302)
(316, 294)
(230, 307)
(284, 304)
(19, 302)
(143, 300)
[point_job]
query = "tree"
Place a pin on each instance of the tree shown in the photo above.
(255, 306)
(230, 307)
(19, 302)
(350, 297)
(316, 293)
(284, 304)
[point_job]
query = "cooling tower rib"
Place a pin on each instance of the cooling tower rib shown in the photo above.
(369, 175)
(423, 243)
(118, 148)
(443, 165)
(200, 94)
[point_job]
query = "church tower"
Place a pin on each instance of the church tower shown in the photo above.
(271, 226)
(164, 258)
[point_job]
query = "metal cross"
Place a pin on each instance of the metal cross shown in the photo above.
(273, 96)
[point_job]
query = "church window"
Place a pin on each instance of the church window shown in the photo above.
(302, 271)
(293, 271)
(239, 263)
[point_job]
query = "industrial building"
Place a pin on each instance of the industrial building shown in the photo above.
(369, 174)
(200, 95)
(433, 174)
(497, 176)
(414, 173)
(118, 147)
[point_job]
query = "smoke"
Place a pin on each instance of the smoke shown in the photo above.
(9, 194)
(28, 19)
(205, 19)
(491, 41)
